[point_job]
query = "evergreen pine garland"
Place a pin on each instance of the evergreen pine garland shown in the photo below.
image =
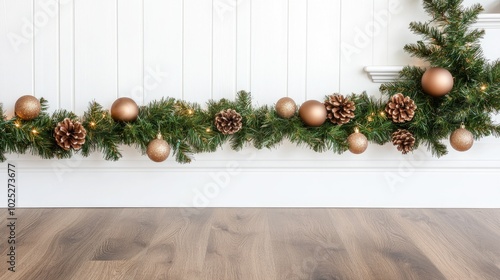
(449, 42)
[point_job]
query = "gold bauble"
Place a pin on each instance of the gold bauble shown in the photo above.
(158, 150)
(437, 81)
(357, 142)
(286, 107)
(124, 109)
(313, 113)
(28, 107)
(461, 139)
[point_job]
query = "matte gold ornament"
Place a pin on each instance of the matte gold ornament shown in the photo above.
(461, 139)
(28, 107)
(313, 113)
(357, 142)
(437, 81)
(158, 149)
(286, 107)
(124, 109)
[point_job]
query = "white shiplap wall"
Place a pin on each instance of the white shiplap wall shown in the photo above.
(85, 50)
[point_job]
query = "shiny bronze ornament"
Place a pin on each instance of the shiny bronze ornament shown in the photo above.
(124, 109)
(461, 139)
(437, 81)
(28, 107)
(158, 149)
(357, 142)
(286, 107)
(313, 113)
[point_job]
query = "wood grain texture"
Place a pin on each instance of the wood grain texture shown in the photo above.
(255, 243)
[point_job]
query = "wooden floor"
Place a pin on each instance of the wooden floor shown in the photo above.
(242, 243)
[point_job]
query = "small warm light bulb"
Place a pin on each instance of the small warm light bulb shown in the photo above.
(208, 129)
(483, 87)
(370, 119)
(17, 124)
(34, 131)
(382, 114)
(190, 112)
(92, 124)
(372, 114)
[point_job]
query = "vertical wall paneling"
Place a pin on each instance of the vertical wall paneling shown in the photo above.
(243, 44)
(402, 12)
(323, 48)
(297, 51)
(269, 49)
(163, 53)
(95, 53)
(198, 50)
(16, 44)
(224, 48)
(46, 51)
(357, 35)
(66, 54)
(130, 49)
(382, 16)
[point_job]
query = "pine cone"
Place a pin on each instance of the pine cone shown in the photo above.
(70, 134)
(400, 108)
(228, 121)
(340, 109)
(404, 140)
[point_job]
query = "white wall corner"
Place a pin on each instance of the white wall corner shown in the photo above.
(383, 74)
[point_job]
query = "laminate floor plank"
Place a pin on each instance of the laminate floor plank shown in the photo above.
(253, 243)
(239, 246)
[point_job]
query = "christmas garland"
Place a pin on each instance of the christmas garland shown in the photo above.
(454, 98)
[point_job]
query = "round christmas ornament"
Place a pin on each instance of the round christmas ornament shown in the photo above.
(286, 107)
(357, 142)
(313, 113)
(437, 81)
(461, 139)
(28, 107)
(228, 121)
(340, 110)
(400, 108)
(158, 149)
(124, 109)
(70, 134)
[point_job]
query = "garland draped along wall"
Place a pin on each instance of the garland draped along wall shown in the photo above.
(452, 99)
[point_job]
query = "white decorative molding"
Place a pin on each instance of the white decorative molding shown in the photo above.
(383, 74)
(488, 21)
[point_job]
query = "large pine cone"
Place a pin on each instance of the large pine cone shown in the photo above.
(404, 140)
(340, 109)
(228, 121)
(70, 134)
(400, 108)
